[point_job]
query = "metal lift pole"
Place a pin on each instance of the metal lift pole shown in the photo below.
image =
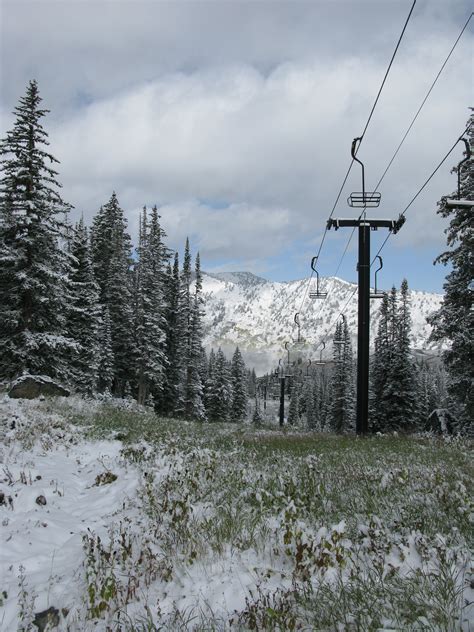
(282, 400)
(363, 332)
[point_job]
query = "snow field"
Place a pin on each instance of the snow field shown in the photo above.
(223, 527)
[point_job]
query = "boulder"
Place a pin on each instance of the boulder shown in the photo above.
(33, 386)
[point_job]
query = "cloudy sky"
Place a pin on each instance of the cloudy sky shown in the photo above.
(236, 118)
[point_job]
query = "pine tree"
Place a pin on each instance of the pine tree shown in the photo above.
(84, 318)
(34, 269)
(169, 401)
(400, 389)
(342, 409)
(194, 407)
(257, 417)
(379, 370)
(106, 355)
(112, 261)
(184, 330)
(293, 409)
(220, 392)
(208, 384)
(307, 400)
(150, 324)
(239, 388)
(454, 321)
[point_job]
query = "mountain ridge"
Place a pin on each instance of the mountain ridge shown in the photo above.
(245, 310)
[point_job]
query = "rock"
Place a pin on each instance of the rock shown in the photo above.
(41, 500)
(33, 386)
(47, 619)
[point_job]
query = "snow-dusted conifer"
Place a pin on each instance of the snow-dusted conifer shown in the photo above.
(169, 401)
(184, 329)
(379, 370)
(106, 354)
(111, 256)
(293, 409)
(454, 321)
(343, 396)
(194, 403)
(150, 322)
(34, 269)
(220, 395)
(84, 319)
(400, 390)
(239, 388)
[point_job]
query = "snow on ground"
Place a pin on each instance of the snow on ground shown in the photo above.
(178, 526)
(44, 541)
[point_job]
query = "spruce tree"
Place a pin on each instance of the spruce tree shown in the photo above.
(379, 370)
(400, 389)
(184, 318)
(84, 319)
(239, 388)
(194, 393)
(150, 325)
(293, 409)
(106, 354)
(343, 395)
(220, 392)
(169, 401)
(112, 262)
(454, 321)
(34, 269)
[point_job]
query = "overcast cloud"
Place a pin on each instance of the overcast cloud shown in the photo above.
(237, 118)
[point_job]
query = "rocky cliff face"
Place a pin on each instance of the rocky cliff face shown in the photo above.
(258, 315)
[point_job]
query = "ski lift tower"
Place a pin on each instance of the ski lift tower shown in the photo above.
(364, 199)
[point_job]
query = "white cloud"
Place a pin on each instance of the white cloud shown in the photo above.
(244, 105)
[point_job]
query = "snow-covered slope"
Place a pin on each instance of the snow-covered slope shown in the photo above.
(258, 315)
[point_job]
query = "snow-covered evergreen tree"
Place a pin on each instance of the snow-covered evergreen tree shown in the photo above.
(293, 409)
(239, 388)
(184, 330)
(379, 370)
(84, 319)
(34, 269)
(106, 354)
(208, 384)
(194, 393)
(343, 396)
(112, 261)
(150, 324)
(169, 402)
(454, 321)
(400, 390)
(220, 391)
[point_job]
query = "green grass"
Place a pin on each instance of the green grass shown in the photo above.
(399, 559)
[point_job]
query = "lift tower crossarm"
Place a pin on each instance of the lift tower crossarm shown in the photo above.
(392, 224)
(363, 267)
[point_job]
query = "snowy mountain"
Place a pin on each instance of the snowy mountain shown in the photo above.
(258, 315)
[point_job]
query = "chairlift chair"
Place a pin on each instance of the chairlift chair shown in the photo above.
(320, 362)
(307, 373)
(316, 294)
(299, 341)
(340, 342)
(375, 293)
(362, 199)
(458, 203)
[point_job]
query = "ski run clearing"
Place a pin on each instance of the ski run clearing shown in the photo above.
(112, 519)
